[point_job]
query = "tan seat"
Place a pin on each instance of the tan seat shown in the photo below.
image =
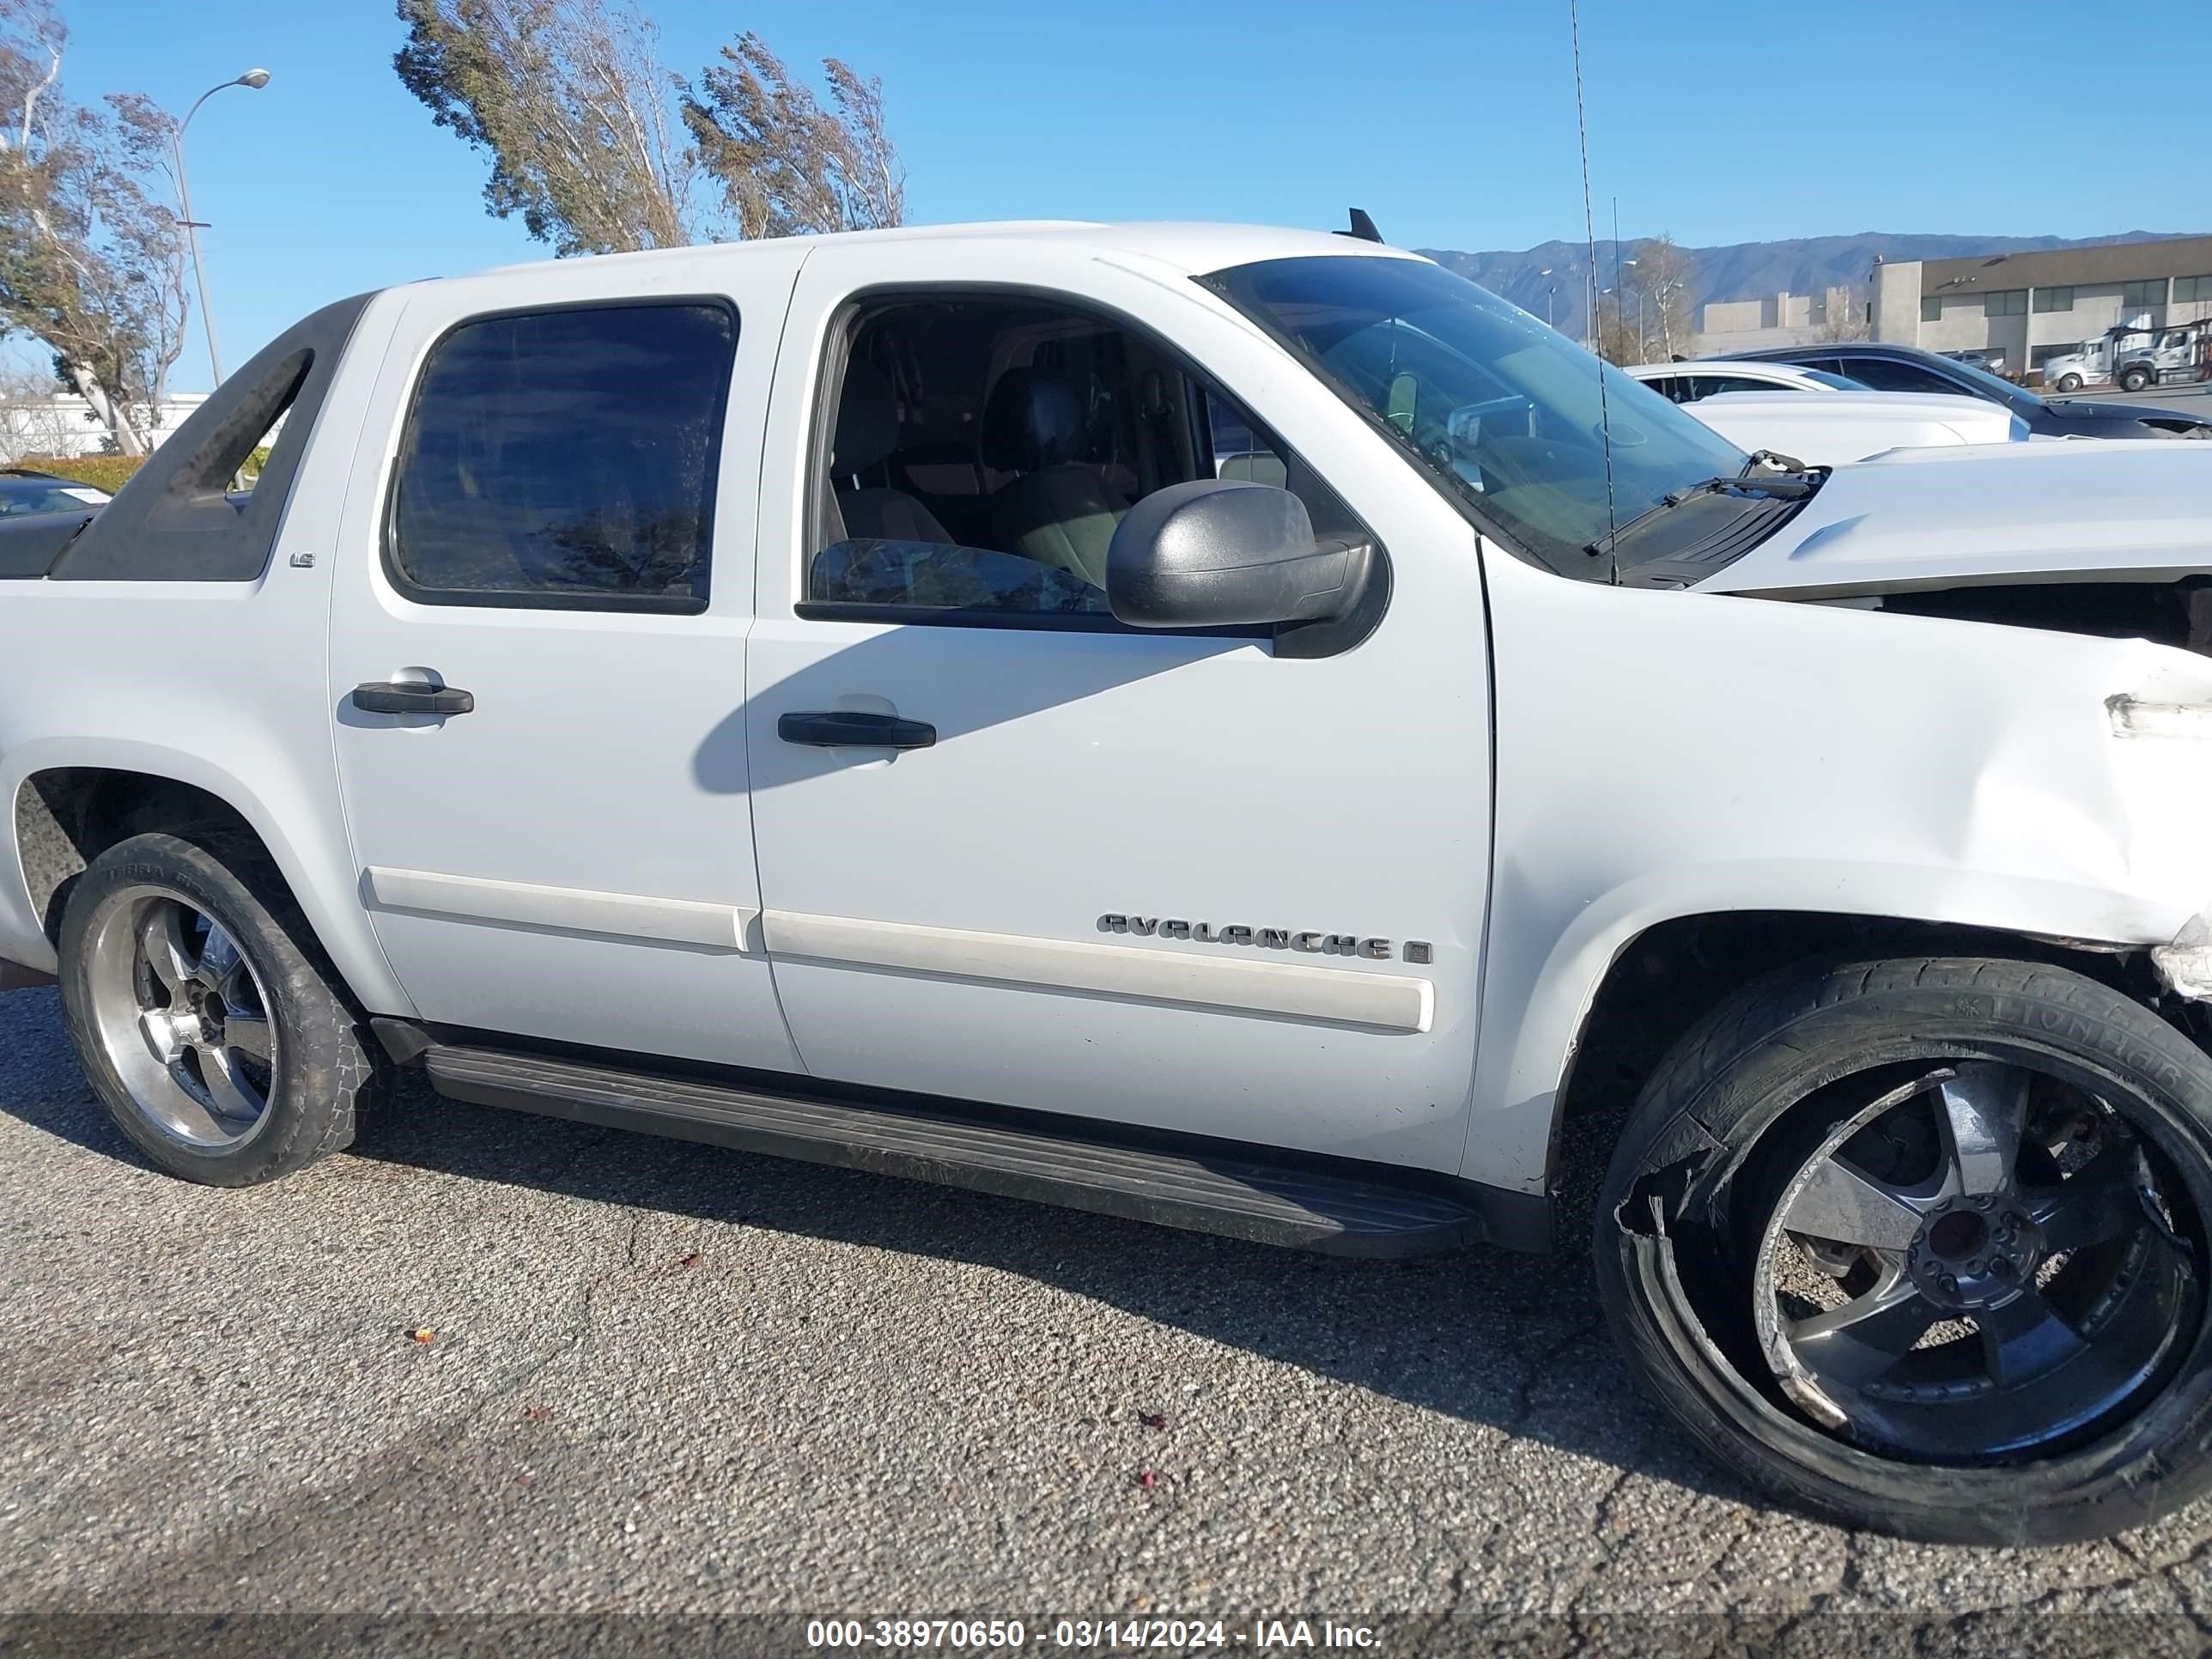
(1057, 512)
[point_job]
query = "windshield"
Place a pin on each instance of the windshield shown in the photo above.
(1497, 407)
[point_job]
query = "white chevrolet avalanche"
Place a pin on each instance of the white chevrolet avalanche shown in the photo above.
(1237, 728)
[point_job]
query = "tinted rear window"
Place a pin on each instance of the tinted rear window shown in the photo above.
(566, 458)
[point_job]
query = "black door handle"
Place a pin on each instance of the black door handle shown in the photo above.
(849, 728)
(402, 697)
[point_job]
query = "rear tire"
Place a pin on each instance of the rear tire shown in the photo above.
(2027, 1359)
(205, 1015)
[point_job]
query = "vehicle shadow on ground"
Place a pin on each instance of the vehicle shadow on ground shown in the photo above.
(1510, 1341)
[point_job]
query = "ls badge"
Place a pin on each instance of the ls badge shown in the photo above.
(1310, 942)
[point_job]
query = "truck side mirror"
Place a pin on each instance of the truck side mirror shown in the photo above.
(1217, 553)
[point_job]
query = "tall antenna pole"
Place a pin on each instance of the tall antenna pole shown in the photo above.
(1589, 234)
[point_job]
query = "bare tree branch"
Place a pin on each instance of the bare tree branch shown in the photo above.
(36, 418)
(1667, 322)
(1844, 322)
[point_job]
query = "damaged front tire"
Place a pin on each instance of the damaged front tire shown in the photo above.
(1920, 1246)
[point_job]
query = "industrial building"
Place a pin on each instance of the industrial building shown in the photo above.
(1779, 319)
(2024, 309)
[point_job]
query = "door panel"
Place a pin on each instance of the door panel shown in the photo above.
(1135, 877)
(571, 858)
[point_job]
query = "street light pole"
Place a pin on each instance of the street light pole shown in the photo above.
(1548, 293)
(254, 80)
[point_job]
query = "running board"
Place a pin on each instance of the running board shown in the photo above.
(1335, 1214)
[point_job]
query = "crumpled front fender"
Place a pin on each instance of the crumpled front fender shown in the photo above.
(1666, 754)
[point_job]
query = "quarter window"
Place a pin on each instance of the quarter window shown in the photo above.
(566, 459)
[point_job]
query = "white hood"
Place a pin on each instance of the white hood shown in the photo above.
(2091, 509)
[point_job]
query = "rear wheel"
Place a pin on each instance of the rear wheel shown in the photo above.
(1921, 1246)
(205, 1015)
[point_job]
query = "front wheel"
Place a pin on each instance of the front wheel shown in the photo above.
(1921, 1246)
(2070, 383)
(2135, 379)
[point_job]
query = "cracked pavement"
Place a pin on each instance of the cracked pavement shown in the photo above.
(667, 1379)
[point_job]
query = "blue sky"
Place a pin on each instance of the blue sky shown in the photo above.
(1454, 124)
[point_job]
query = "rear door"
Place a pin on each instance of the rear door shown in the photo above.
(1187, 881)
(537, 653)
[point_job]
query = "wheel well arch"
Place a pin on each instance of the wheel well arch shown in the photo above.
(1666, 978)
(67, 816)
(68, 810)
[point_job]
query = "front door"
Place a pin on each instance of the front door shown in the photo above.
(537, 659)
(1195, 882)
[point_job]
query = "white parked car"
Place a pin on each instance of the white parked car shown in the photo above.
(1237, 728)
(1758, 406)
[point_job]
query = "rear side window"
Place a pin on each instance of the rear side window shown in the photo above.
(1884, 375)
(565, 460)
(1712, 385)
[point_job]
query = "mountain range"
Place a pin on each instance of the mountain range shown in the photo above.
(1740, 270)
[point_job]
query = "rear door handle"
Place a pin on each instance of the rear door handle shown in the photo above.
(851, 728)
(406, 697)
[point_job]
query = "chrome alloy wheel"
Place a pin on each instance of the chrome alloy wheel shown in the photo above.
(1981, 1263)
(183, 1019)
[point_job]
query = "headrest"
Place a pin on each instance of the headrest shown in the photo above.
(868, 422)
(1032, 420)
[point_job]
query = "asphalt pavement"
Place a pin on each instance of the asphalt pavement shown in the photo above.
(497, 1366)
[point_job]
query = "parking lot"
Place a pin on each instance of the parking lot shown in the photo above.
(505, 1365)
